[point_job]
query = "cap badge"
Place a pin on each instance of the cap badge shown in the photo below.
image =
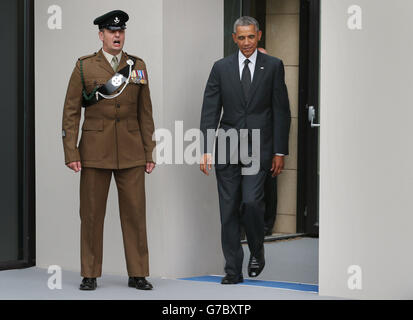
(116, 20)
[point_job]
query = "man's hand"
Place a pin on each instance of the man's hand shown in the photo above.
(149, 167)
(206, 163)
(75, 166)
(277, 165)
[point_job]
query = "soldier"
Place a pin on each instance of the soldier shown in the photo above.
(116, 139)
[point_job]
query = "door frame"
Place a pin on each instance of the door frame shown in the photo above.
(308, 137)
(26, 142)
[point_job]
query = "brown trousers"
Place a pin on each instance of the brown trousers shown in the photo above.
(94, 188)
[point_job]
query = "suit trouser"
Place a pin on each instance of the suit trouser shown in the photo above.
(270, 191)
(241, 200)
(94, 188)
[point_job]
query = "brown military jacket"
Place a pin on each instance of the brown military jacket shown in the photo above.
(116, 133)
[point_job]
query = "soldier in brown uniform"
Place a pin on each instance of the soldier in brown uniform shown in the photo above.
(116, 139)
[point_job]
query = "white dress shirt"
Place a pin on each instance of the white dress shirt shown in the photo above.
(251, 65)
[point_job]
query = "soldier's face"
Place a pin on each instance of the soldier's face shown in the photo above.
(113, 40)
(247, 39)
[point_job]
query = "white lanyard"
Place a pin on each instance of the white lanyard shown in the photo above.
(114, 79)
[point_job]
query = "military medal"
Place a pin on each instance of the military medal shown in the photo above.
(139, 76)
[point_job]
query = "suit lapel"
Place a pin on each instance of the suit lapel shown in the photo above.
(258, 75)
(235, 77)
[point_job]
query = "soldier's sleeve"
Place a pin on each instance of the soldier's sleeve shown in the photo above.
(146, 120)
(71, 116)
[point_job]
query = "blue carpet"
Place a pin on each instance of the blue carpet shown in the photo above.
(262, 283)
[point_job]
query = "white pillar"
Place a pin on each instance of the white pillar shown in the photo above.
(366, 177)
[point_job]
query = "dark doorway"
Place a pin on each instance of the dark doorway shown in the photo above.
(308, 137)
(307, 179)
(17, 217)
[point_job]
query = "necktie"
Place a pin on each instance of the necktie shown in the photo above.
(114, 63)
(246, 78)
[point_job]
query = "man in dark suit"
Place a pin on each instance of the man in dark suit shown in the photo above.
(249, 88)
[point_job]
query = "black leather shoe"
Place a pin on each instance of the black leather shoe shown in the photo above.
(139, 283)
(88, 284)
(232, 279)
(256, 265)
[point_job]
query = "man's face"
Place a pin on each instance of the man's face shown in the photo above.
(247, 39)
(113, 40)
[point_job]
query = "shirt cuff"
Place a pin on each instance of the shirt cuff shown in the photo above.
(280, 154)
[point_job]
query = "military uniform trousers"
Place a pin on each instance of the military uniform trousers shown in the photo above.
(94, 188)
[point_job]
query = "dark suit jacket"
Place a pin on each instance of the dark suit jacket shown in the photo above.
(267, 107)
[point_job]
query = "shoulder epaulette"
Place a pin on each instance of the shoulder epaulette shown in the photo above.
(88, 56)
(132, 56)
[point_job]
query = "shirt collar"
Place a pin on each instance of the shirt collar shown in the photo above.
(252, 59)
(109, 57)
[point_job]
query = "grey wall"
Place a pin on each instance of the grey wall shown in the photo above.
(366, 177)
(192, 41)
(182, 210)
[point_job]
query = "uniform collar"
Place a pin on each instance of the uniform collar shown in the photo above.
(109, 57)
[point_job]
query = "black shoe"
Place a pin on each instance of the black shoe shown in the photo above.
(256, 265)
(232, 279)
(139, 283)
(88, 284)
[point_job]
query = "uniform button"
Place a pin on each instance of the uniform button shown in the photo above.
(117, 105)
(117, 119)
